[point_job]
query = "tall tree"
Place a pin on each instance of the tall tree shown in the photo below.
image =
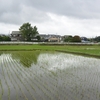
(27, 31)
(35, 32)
(76, 38)
(97, 39)
(1, 39)
(5, 38)
(68, 39)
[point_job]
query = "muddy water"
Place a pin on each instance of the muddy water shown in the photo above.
(48, 76)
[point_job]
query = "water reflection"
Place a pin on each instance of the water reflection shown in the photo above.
(26, 57)
(51, 73)
(49, 60)
(1, 53)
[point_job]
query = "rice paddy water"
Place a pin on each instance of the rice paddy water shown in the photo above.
(41, 75)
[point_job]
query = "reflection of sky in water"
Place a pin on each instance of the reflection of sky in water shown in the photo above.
(60, 72)
(53, 61)
(62, 61)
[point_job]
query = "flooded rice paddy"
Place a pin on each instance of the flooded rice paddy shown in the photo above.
(36, 75)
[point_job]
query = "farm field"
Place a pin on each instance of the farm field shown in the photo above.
(48, 75)
(89, 50)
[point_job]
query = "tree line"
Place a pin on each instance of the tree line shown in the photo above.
(4, 38)
(76, 38)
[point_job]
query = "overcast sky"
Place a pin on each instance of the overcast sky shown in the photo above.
(61, 17)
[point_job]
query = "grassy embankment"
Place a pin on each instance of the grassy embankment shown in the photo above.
(89, 50)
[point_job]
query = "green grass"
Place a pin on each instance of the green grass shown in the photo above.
(90, 50)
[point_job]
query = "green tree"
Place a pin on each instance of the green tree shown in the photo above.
(76, 38)
(29, 57)
(35, 32)
(28, 32)
(38, 38)
(97, 39)
(6, 38)
(1, 39)
(68, 39)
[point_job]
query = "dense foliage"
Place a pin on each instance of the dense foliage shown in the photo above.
(97, 39)
(76, 38)
(28, 32)
(5, 38)
(68, 39)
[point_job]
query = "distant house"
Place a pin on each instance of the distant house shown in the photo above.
(50, 38)
(43, 37)
(84, 39)
(16, 36)
(53, 39)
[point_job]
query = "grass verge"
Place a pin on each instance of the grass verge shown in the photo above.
(90, 50)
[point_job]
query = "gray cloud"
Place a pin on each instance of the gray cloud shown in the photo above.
(31, 14)
(52, 15)
(17, 11)
(74, 8)
(9, 11)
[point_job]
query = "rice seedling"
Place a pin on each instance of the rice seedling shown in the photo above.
(49, 76)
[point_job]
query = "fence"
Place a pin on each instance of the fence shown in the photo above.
(46, 43)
